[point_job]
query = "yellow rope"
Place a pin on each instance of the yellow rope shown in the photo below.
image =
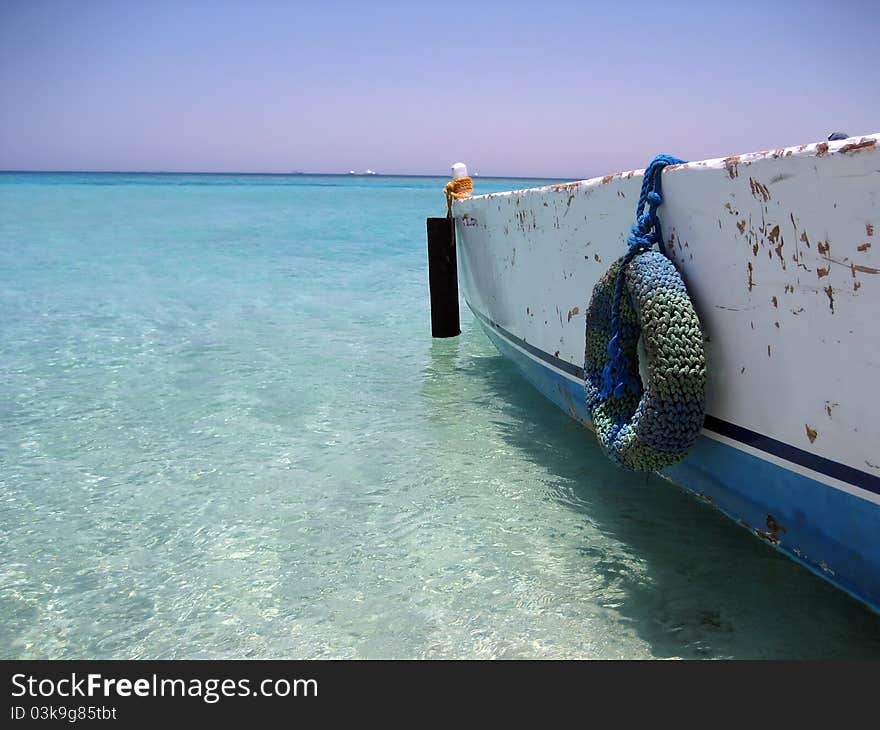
(457, 189)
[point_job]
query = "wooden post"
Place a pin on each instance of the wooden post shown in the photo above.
(443, 278)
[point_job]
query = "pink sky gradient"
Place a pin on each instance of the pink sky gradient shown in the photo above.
(559, 89)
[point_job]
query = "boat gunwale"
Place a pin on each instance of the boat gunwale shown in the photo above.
(814, 150)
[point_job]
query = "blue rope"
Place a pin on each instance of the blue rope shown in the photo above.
(645, 233)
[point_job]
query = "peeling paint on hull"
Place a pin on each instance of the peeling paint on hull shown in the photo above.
(775, 249)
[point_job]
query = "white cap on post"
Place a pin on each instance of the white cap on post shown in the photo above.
(459, 169)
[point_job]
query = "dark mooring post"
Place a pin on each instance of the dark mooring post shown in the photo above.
(443, 277)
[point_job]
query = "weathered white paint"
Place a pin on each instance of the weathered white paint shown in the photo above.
(779, 250)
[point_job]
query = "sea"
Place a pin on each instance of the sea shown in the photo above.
(226, 432)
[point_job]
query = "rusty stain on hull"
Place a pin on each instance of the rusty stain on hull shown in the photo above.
(759, 190)
(830, 294)
(568, 188)
(865, 144)
(730, 164)
(778, 242)
(773, 530)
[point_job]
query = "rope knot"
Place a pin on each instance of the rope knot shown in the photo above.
(461, 187)
(645, 233)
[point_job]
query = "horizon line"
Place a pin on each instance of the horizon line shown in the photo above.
(275, 174)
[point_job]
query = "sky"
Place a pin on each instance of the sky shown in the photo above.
(553, 89)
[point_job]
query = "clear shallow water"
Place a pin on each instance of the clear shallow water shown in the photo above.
(225, 431)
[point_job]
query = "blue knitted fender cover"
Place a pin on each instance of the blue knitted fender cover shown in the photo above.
(650, 427)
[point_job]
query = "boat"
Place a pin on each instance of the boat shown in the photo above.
(779, 253)
(369, 172)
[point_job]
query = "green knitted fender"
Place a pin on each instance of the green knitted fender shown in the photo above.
(650, 427)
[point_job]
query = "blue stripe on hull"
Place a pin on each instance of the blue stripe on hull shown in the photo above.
(833, 533)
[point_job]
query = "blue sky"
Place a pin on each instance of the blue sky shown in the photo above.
(567, 89)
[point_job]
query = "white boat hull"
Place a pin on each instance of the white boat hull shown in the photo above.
(780, 255)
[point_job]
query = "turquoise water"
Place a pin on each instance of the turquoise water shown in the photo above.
(225, 431)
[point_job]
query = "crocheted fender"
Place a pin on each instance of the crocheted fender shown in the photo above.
(651, 427)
